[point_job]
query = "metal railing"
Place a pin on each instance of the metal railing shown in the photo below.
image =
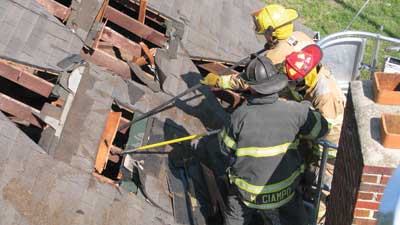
(363, 34)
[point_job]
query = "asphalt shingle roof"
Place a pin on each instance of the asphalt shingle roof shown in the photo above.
(29, 34)
(215, 29)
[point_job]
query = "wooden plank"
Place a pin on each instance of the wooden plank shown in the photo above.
(55, 8)
(121, 42)
(26, 79)
(100, 14)
(216, 68)
(154, 16)
(142, 10)
(97, 40)
(134, 26)
(106, 140)
(103, 59)
(148, 53)
(20, 110)
(231, 97)
(141, 61)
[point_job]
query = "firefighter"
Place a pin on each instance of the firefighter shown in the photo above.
(261, 140)
(312, 82)
(309, 80)
(320, 88)
(275, 24)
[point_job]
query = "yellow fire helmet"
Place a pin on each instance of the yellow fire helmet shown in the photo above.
(276, 16)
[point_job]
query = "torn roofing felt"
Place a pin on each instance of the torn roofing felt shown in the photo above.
(214, 29)
(32, 36)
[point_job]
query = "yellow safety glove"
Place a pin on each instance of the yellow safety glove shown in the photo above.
(211, 80)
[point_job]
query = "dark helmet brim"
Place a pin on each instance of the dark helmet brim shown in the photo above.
(277, 83)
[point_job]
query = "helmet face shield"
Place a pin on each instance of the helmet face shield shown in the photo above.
(257, 27)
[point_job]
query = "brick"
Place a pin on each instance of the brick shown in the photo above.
(358, 221)
(378, 170)
(385, 179)
(370, 178)
(362, 213)
(367, 205)
(365, 196)
(372, 188)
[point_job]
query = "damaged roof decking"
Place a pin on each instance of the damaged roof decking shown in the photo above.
(31, 35)
(36, 189)
(214, 29)
(86, 120)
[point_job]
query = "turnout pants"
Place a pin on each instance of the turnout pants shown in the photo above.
(293, 213)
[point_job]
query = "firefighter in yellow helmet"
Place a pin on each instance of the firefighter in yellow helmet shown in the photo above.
(275, 23)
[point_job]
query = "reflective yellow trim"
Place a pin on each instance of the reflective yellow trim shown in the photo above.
(270, 205)
(316, 129)
(331, 152)
(228, 141)
(271, 188)
(224, 82)
(266, 151)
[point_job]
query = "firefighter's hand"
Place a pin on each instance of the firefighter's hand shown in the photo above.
(211, 79)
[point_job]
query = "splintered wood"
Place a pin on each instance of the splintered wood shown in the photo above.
(134, 26)
(25, 79)
(106, 140)
(142, 10)
(20, 110)
(56, 8)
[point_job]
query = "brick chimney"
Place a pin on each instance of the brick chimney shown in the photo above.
(363, 166)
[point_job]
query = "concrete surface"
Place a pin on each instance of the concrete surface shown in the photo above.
(368, 116)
